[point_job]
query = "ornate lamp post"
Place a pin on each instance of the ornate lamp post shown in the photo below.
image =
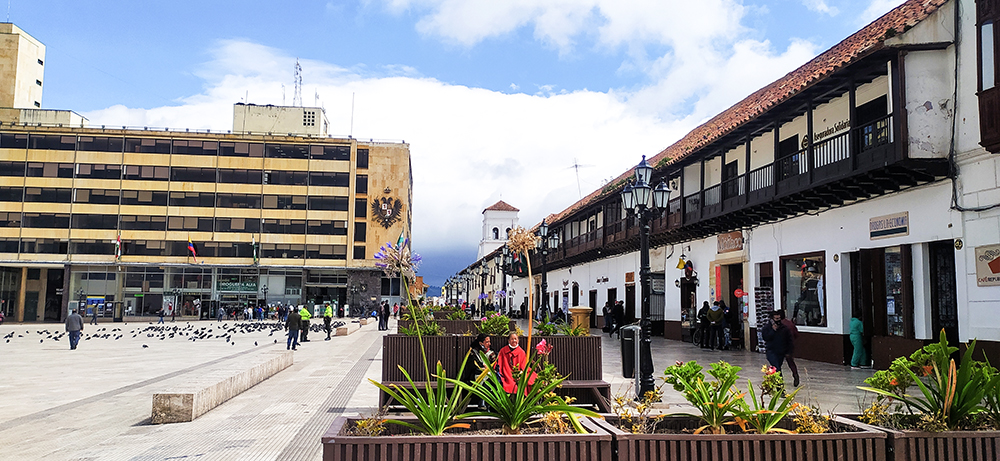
(502, 261)
(264, 290)
(546, 243)
(636, 197)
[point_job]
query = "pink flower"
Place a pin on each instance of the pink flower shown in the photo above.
(543, 348)
(483, 319)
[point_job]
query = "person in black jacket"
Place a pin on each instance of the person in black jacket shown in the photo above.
(777, 340)
(292, 323)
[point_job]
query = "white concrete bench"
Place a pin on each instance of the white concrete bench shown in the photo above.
(194, 394)
(347, 329)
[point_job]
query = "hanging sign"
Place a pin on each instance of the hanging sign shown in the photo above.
(732, 241)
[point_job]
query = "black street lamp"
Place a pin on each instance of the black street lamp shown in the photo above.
(502, 261)
(636, 198)
(545, 243)
(264, 290)
(81, 303)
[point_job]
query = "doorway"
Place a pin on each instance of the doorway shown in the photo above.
(630, 303)
(944, 306)
(593, 305)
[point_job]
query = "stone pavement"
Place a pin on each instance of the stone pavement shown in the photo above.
(95, 402)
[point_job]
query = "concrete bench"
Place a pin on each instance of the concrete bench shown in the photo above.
(194, 394)
(347, 329)
(367, 320)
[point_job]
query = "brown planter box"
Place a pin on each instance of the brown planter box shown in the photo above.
(337, 446)
(868, 444)
(944, 446)
(405, 351)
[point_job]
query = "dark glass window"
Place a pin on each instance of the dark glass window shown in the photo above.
(46, 220)
(202, 199)
(154, 223)
(147, 145)
(328, 203)
(390, 286)
(44, 246)
(318, 227)
(288, 178)
(360, 208)
(12, 169)
(147, 248)
(84, 170)
(186, 174)
(100, 144)
(326, 251)
(330, 152)
(360, 229)
(286, 151)
(249, 225)
(334, 179)
(11, 194)
(240, 176)
(98, 196)
(13, 141)
(192, 223)
(238, 201)
(362, 162)
(284, 226)
(361, 184)
(359, 252)
(9, 245)
(285, 251)
(285, 202)
(93, 247)
(182, 146)
(95, 221)
(51, 142)
(52, 195)
(241, 149)
(49, 170)
(144, 197)
(146, 172)
(10, 219)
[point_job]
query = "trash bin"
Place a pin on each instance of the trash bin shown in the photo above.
(630, 346)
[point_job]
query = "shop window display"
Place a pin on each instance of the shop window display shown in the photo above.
(804, 297)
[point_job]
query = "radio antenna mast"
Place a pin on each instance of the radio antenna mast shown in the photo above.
(297, 98)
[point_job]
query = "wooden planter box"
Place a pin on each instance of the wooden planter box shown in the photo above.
(867, 444)
(337, 446)
(943, 446)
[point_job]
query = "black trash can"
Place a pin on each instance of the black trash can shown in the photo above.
(630, 336)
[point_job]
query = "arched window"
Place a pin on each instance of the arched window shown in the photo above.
(496, 234)
(507, 233)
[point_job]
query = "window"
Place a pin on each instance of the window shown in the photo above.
(38, 82)
(987, 15)
(147, 173)
(988, 55)
(196, 147)
(496, 234)
(185, 174)
(13, 141)
(240, 176)
(286, 151)
(99, 144)
(249, 225)
(318, 227)
(97, 196)
(361, 184)
(84, 170)
(238, 201)
(328, 203)
(10, 219)
(49, 170)
(330, 152)
(284, 202)
(359, 252)
(284, 226)
(12, 169)
(362, 162)
(191, 223)
(288, 178)
(241, 149)
(11, 194)
(142, 197)
(154, 223)
(202, 199)
(95, 221)
(390, 286)
(360, 208)
(51, 142)
(804, 297)
(147, 145)
(46, 220)
(309, 118)
(360, 231)
(36, 194)
(332, 179)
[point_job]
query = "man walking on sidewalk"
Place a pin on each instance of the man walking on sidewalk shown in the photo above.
(292, 323)
(74, 325)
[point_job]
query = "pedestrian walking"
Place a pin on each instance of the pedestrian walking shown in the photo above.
(93, 316)
(859, 358)
(777, 340)
(173, 312)
(161, 313)
(74, 326)
(292, 323)
(793, 332)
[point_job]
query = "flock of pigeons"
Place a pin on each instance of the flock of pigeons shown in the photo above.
(162, 332)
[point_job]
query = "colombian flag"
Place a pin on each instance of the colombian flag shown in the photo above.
(191, 249)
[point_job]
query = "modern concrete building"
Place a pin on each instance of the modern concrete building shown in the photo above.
(864, 183)
(22, 66)
(147, 219)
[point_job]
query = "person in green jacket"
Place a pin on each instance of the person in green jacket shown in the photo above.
(327, 318)
(857, 340)
(304, 313)
(715, 320)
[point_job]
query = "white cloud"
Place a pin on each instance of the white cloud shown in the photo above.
(468, 145)
(876, 9)
(820, 6)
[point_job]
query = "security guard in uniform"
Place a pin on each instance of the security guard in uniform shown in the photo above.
(304, 332)
(327, 318)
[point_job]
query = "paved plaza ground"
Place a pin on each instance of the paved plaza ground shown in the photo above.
(94, 403)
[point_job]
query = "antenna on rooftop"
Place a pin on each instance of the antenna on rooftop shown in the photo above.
(576, 166)
(297, 99)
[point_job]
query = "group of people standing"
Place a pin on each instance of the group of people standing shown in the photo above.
(718, 323)
(614, 317)
(383, 312)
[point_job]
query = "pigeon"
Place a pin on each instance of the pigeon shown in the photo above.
(255, 343)
(144, 346)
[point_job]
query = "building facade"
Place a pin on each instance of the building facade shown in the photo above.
(864, 183)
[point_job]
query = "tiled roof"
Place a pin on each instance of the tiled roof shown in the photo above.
(869, 39)
(501, 206)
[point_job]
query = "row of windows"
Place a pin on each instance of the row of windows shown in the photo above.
(190, 199)
(173, 248)
(180, 146)
(182, 174)
(176, 223)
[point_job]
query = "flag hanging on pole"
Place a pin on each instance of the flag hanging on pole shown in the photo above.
(401, 240)
(191, 249)
(118, 247)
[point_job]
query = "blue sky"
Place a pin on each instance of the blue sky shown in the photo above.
(497, 99)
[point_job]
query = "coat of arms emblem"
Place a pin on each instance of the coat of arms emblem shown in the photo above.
(386, 211)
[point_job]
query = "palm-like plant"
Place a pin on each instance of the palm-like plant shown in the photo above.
(716, 400)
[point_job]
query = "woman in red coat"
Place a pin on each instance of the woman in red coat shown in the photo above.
(509, 357)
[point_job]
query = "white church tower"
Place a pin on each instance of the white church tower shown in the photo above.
(498, 219)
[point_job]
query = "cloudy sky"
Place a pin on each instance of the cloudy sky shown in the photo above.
(536, 102)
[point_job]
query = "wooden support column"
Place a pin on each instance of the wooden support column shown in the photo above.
(701, 191)
(776, 174)
(853, 143)
(899, 134)
(22, 292)
(809, 141)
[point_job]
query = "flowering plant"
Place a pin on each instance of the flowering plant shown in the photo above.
(494, 324)
(714, 399)
(547, 328)
(760, 417)
(397, 260)
(483, 296)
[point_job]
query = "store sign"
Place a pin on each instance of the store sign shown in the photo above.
(732, 241)
(250, 286)
(988, 266)
(892, 225)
